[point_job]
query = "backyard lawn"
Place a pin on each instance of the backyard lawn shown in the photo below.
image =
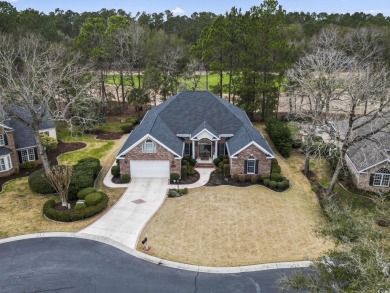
(231, 226)
(21, 209)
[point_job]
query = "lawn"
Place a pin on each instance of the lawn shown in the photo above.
(231, 226)
(112, 124)
(21, 209)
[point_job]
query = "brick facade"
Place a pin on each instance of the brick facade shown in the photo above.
(362, 181)
(14, 155)
(161, 154)
(237, 165)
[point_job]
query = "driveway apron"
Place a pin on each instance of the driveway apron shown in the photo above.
(127, 218)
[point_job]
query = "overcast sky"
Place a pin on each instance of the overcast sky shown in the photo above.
(217, 6)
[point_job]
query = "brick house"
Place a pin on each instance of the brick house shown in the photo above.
(197, 124)
(17, 142)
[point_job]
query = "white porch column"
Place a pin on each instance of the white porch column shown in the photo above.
(216, 149)
(193, 149)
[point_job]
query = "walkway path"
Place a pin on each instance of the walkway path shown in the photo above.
(203, 179)
(127, 218)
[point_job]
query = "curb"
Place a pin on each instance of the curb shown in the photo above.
(166, 263)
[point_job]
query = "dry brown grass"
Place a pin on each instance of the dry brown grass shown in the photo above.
(230, 226)
(21, 209)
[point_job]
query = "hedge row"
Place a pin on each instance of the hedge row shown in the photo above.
(280, 135)
(84, 174)
(76, 215)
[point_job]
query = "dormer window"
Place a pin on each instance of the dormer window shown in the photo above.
(149, 146)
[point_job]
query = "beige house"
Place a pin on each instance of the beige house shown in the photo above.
(198, 124)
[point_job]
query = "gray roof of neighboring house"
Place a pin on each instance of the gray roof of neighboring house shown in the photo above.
(190, 112)
(24, 135)
(4, 151)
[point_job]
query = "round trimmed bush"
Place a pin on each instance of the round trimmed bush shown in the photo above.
(84, 192)
(273, 184)
(280, 185)
(184, 173)
(76, 215)
(93, 198)
(174, 176)
(173, 193)
(39, 184)
(80, 206)
(115, 171)
(216, 161)
(266, 182)
(126, 128)
(286, 184)
(265, 176)
(276, 177)
(125, 178)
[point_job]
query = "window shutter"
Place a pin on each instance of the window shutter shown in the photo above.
(36, 154)
(372, 179)
(257, 167)
(190, 148)
(20, 157)
(5, 139)
(245, 167)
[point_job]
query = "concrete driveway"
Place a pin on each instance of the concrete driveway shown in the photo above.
(127, 218)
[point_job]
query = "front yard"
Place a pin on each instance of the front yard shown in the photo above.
(21, 209)
(232, 226)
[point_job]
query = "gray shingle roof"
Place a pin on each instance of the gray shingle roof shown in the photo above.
(189, 113)
(23, 135)
(4, 151)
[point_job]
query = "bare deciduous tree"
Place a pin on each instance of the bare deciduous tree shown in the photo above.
(59, 178)
(41, 79)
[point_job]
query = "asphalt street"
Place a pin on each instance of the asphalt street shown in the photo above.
(78, 265)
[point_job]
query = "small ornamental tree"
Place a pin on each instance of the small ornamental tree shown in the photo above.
(49, 143)
(59, 177)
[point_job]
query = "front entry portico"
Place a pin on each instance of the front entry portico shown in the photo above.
(205, 148)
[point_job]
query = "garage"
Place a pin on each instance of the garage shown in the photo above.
(149, 169)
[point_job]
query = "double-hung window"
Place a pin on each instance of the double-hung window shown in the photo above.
(2, 139)
(5, 163)
(27, 155)
(251, 165)
(149, 146)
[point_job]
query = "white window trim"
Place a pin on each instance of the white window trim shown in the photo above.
(29, 155)
(7, 163)
(2, 140)
(149, 144)
(251, 160)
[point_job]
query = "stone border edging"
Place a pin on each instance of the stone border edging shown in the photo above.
(166, 263)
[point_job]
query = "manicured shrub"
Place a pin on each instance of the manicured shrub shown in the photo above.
(286, 184)
(80, 206)
(115, 171)
(188, 160)
(220, 166)
(275, 168)
(39, 184)
(184, 170)
(93, 198)
(241, 178)
(125, 178)
(273, 184)
(185, 163)
(28, 165)
(276, 177)
(216, 161)
(280, 134)
(266, 182)
(173, 193)
(226, 170)
(76, 215)
(84, 192)
(132, 120)
(190, 170)
(225, 161)
(265, 176)
(280, 185)
(89, 165)
(128, 127)
(174, 176)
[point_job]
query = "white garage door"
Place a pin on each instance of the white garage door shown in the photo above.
(149, 169)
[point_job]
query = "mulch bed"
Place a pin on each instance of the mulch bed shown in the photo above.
(58, 206)
(100, 134)
(217, 178)
(63, 147)
(116, 180)
(189, 180)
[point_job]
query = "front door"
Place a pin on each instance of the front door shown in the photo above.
(205, 150)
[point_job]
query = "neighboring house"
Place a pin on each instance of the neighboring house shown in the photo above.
(369, 160)
(197, 124)
(369, 163)
(17, 142)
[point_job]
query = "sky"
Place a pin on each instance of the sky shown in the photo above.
(187, 7)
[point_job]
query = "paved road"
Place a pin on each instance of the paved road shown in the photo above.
(80, 265)
(127, 218)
